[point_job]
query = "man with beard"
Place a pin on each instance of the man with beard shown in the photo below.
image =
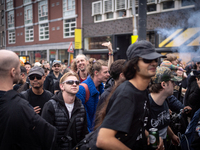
(53, 76)
(36, 95)
(20, 127)
(82, 62)
(93, 85)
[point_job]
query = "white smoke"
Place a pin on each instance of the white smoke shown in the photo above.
(192, 22)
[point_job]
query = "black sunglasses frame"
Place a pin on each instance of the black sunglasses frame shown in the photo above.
(148, 61)
(71, 82)
(32, 77)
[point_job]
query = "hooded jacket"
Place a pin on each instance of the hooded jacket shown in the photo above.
(21, 128)
(50, 81)
(56, 113)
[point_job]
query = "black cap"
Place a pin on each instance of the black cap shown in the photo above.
(143, 49)
(36, 70)
(27, 63)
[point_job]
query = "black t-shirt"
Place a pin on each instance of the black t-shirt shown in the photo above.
(2, 93)
(125, 113)
(39, 100)
(160, 117)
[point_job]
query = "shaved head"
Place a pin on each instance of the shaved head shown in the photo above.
(8, 60)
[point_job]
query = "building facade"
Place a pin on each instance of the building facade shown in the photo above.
(2, 25)
(112, 20)
(42, 29)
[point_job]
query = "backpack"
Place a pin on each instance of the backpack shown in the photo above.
(188, 137)
(87, 92)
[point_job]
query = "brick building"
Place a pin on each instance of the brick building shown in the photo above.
(42, 29)
(111, 20)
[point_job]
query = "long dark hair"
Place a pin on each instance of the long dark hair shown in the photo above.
(101, 113)
(129, 72)
(130, 68)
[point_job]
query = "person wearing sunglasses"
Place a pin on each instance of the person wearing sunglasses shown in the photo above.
(36, 95)
(20, 127)
(123, 124)
(66, 112)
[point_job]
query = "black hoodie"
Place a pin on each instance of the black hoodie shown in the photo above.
(21, 128)
(56, 113)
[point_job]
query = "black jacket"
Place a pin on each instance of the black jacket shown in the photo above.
(56, 113)
(50, 81)
(21, 128)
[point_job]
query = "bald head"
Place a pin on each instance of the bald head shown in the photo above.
(8, 60)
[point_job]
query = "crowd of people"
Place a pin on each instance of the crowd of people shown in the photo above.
(57, 107)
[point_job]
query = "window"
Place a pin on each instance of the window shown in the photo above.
(11, 36)
(151, 5)
(108, 8)
(11, 19)
(187, 2)
(97, 10)
(28, 17)
(27, 1)
(44, 31)
(68, 7)
(69, 26)
(168, 5)
(43, 10)
(2, 1)
(9, 4)
(29, 34)
(120, 7)
(151, 8)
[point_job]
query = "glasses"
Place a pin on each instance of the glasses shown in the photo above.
(148, 61)
(71, 82)
(38, 77)
(198, 63)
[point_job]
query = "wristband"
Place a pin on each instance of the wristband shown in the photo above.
(110, 53)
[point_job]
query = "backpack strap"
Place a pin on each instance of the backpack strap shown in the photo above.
(87, 92)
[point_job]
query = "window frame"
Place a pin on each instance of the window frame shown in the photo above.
(11, 21)
(10, 37)
(70, 31)
(29, 36)
(66, 10)
(9, 4)
(42, 15)
(41, 27)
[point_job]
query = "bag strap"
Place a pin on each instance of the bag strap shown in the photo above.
(87, 92)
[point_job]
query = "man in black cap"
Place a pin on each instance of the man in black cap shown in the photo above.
(36, 95)
(123, 125)
(53, 76)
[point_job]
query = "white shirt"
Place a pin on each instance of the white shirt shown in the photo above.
(69, 108)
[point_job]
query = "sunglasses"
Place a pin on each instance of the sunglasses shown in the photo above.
(148, 61)
(198, 62)
(38, 77)
(71, 82)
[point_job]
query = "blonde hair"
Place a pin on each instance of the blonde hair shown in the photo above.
(67, 75)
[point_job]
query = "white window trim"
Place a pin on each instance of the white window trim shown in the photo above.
(44, 33)
(68, 10)
(40, 8)
(12, 38)
(29, 34)
(65, 37)
(112, 9)
(116, 9)
(93, 6)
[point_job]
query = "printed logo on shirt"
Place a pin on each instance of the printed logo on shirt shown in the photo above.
(161, 118)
